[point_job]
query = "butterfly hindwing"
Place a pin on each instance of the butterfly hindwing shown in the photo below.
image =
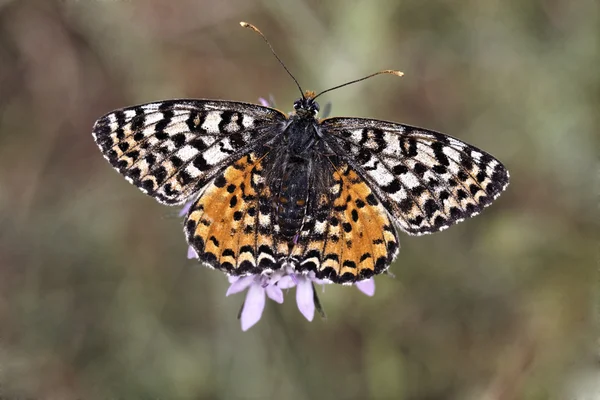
(170, 149)
(426, 180)
(347, 235)
(230, 225)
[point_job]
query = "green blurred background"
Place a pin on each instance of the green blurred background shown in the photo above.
(98, 300)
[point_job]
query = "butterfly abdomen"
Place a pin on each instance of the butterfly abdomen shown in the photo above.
(292, 196)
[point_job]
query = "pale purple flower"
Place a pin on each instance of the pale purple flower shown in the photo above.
(367, 287)
(258, 286)
(186, 208)
(191, 253)
(305, 298)
(264, 102)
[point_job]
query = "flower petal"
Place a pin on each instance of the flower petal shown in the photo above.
(367, 287)
(253, 306)
(186, 208)
(286, 282)
(305, 298)
(263, 102)
(274, 293)
(191, 253)
(240, 284)
(320, 282)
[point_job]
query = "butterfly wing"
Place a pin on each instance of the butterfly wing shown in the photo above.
(171, 149)
(426, 180)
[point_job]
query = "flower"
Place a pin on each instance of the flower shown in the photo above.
(258, 286)
(367, 287)
(271, 285)
(186, 207)
(305, 295)
(191, 253)
(265, 102)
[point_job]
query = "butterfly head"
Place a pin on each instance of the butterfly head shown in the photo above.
(307, 106)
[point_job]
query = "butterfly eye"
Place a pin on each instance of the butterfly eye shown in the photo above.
(297, 104)
(316, 107)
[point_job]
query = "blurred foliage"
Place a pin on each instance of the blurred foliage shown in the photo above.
(97, 299)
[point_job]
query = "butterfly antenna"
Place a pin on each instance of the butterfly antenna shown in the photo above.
(385, 71)
(255, 29)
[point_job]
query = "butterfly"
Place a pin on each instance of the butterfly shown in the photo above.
(273, 191)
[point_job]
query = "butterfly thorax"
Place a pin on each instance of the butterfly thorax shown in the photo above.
(301, 135)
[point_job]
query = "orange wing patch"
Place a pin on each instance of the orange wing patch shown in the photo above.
(227, 227)
(350, 237)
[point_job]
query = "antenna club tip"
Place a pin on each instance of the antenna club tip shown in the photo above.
(393, 72)
(247, 25)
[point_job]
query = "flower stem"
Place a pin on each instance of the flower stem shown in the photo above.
(318, 306)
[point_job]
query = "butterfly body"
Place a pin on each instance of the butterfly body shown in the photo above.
(293, 166)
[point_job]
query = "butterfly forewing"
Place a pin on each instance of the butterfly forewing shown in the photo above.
(426, 180)
(173, 148)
